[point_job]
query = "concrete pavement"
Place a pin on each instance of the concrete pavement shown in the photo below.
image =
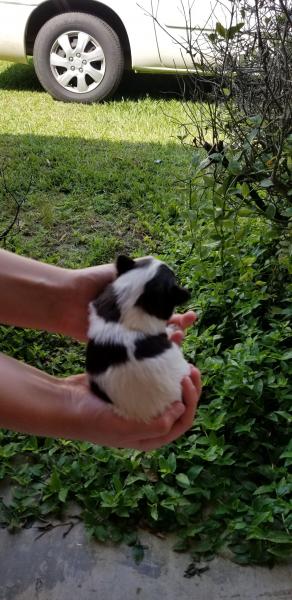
(54, 567)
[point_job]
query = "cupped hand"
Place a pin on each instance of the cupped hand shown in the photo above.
(95, 421)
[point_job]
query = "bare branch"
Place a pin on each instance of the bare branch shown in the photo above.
(17, 198)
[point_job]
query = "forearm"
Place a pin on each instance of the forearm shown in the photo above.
(33, 402)
(32, 294)
(40, 296)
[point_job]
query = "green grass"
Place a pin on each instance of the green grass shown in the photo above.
(91, 168)
(135, 120)
(112, 178)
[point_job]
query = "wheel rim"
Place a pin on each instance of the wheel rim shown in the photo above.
(77, 62)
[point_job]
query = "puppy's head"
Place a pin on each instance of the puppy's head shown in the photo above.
(149, 285)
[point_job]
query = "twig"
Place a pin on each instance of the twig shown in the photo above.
(18, 203)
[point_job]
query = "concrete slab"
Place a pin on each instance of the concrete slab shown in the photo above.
(57, 568)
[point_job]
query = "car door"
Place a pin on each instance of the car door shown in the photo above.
(179, 26)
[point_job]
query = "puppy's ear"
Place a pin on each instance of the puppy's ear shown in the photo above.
(180, 295)
(124, 264)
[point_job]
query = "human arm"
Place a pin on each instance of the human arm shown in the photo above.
(42, 296)
(36, 403)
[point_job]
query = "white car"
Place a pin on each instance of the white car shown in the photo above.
(80, 48)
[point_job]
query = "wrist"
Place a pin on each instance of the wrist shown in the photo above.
(79, 413)
(32, 293)
(33, 402)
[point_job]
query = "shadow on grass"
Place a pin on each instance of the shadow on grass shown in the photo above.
(76, 214)
(22, 77)
(80, 210)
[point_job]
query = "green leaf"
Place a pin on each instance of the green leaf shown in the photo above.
(131, 479)
(100, 533)
(277, 537)
(234, 167)
(270, 211)
(287, 355)
(212, 37)
(194, 472)
(266, 183)
(171, 461)
(150, 493)
(245, 427)
(55, 483)
(154, 512)
(245, 190)
(286, 454)
(264, 489)
(63, 493)
(167, 465)
(258, 387)
(222, 32)
(233, 30)
(283, 552)
(183, 480)
(138, 553)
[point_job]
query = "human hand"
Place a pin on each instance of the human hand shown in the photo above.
(83, 286)
(179, 323)
(69, 410)
(95, 421)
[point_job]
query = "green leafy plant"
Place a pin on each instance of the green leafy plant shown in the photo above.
(226, 485)
(244, 122)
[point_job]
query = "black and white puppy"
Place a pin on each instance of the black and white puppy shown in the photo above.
(131, 362)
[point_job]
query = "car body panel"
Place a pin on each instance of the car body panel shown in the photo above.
(14, 17)
(159, 31)
(13, 20)
(180, 24)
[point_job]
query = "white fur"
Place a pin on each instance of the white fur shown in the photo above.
(139, 389)
(128, 288)
(142, 389)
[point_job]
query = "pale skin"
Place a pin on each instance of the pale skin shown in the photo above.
(41, 296)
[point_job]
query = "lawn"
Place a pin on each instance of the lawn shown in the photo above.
(103, 179)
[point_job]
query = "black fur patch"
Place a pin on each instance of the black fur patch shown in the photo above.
(99, 392)
(99, 357)
(151, 346)
(162, 294)
(106, 305)
(125, 264)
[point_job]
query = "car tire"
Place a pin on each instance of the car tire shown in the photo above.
(78, 58)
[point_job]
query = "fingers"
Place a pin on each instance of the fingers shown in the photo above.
(177, 337)
(185, 320)
(129, 433)
(165, 423)
(156, 428)
(191, 393)
(180, 323)
(195, 377)
(176, 420)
